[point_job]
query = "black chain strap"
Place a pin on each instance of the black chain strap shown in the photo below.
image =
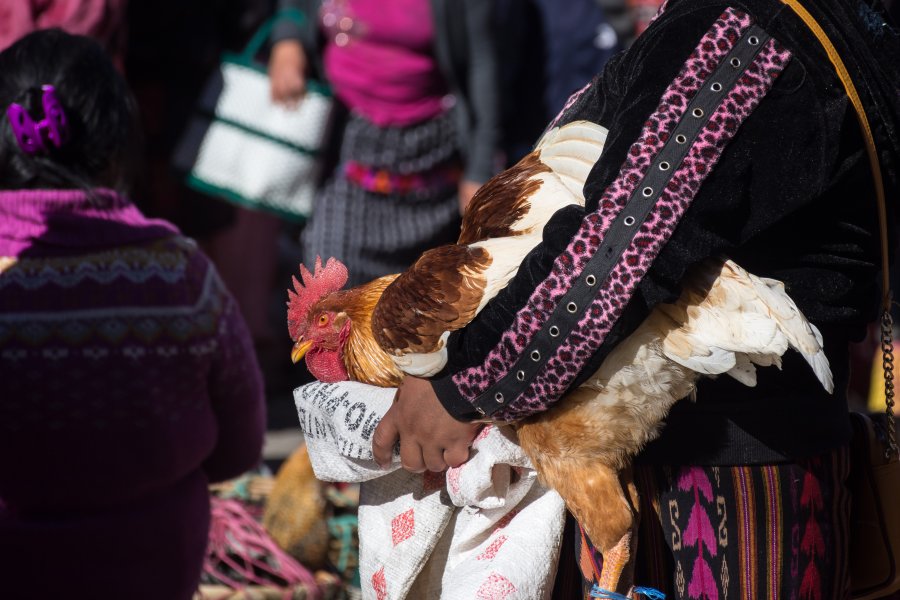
(887, 363)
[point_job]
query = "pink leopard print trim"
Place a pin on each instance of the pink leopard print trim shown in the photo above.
(588, 335)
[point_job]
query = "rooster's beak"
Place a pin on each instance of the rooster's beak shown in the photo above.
(300, 349)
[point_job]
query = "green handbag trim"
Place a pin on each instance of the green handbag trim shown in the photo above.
(251, 203)
(246, 129)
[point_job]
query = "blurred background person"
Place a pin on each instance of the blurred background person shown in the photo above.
(128, 380)
(419, 81)
(102, 20)
(548, 50)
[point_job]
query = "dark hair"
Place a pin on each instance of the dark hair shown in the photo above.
(102, 115)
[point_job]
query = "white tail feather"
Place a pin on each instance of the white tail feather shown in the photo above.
(741, 321)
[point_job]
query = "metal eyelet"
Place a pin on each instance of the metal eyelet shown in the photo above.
(590, 279)
(680, 139)
(554, 331)
(647, 192)
(753, 40)
(628, 221)
(535, 355)
(480, 411)
(716, 86)
(735, 62)
(520, 375)
(697, 112)
(664, 166)
(572, 307)
(498, 397)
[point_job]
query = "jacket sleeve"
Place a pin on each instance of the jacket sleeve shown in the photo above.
(236, 393)
(597, 275)
(482, 90)
(288, 29)
(299, 21)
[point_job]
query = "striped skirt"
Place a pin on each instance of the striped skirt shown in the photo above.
(393, 196)
(762, 532)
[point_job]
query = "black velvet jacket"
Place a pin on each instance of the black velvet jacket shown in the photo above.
(791, 198)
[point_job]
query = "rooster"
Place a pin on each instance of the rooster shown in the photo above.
(726, 321)
(369, 333)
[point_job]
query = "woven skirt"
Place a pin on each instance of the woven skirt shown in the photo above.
(393, 196)
(762, 532)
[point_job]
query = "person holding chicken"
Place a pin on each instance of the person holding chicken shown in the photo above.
(729, 134)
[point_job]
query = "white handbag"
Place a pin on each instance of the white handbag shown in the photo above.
(242, 147)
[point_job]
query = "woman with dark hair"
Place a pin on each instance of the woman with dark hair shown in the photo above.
(127, 379)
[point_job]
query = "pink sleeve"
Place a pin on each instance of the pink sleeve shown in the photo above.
(16, 19)
(103, 20)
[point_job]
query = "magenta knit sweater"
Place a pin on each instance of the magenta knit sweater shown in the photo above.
(127, 383)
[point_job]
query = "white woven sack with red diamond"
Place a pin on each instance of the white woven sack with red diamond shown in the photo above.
(487, 530)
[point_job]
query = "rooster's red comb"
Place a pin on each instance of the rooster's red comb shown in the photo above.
(315, 286)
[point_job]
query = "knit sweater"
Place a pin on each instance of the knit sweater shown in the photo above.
(128, 382)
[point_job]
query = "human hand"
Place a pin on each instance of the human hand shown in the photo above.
(467, 191)
(287, 72)
(429, 437)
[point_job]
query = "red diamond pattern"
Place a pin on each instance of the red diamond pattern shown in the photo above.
(495, 587)
(491, 551)
(379, 584)
(403, 526)
(453, 478)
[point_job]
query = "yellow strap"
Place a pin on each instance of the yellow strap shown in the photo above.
(887, 346)
(844, 76)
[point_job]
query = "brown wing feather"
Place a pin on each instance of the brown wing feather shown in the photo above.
(502, 201)
(439, 293)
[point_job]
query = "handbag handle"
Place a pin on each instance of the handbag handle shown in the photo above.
(887, 322)
(262, 34)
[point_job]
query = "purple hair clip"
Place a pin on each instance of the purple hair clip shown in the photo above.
(33, 136)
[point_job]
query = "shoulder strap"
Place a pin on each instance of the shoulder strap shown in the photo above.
(887, 325)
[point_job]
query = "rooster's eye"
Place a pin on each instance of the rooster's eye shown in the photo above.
(323, 320)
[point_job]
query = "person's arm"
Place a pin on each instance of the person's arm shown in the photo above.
(292, 41)
(481, 86)
(236, 393)
(586, 286)
(287, 72)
